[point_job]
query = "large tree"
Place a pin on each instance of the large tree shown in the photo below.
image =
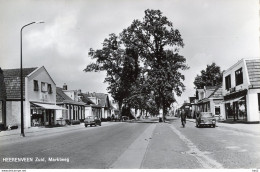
(211, 76)
(158, 43)
(120, 64)
(144, 65)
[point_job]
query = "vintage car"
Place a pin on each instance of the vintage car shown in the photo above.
(90, 120)
(205, 119)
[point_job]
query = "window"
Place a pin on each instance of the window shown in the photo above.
(258, 101)
(228, 82)
(239, 76)
(43, 87)
(35, 85)
(49, 89)
(217, 110)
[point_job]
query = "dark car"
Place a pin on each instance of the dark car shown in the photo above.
(125, 118)
(205, 119)
(90, 120)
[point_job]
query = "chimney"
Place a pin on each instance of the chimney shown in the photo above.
(65, 87)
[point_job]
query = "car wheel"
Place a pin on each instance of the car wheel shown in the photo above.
(214, 125)
(100, 124)
(95, 125)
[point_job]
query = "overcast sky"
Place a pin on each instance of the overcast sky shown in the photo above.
(221, 31)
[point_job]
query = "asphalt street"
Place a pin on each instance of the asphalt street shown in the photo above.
(133, 145)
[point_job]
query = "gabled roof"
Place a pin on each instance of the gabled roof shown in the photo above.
(209, 90)
(217, 93)
(85, 99)
(61, 97)
(214, 92)
(45, 71)
(253, 68)
(12, 82)
(104, 100)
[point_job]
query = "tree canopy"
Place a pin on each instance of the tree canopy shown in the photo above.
(211, 76)
(143, 64)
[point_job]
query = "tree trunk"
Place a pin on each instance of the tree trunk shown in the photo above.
(120, 109)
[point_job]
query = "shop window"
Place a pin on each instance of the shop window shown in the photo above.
(258, 101)
(228, 82)
(43, 87)
(35, 85)
(217, 110)
(49, 89)
(239, 76)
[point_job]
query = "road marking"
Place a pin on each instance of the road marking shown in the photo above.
(203, 159)
(133, 156)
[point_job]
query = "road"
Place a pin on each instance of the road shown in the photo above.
(125, 145)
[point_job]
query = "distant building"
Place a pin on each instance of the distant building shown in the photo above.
(210, 100)
(74, 110)
(241, 91)
(193, 103)
(100, 100)
(91, 107)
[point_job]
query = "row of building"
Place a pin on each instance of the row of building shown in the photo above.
(238, 98)
(44, 103)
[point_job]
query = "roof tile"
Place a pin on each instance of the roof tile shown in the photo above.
(13, 83)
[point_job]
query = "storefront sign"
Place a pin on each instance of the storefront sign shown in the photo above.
(235, 95)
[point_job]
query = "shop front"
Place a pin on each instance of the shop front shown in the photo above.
(235, 106)
(43, 114)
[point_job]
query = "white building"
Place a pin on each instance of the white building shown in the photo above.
(210, 99)
(241, 91)
(39, 97)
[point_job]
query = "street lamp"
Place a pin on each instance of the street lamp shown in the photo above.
(21, 76)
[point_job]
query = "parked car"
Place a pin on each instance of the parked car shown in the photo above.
(90, 120)
(124, 118)
(205, 119)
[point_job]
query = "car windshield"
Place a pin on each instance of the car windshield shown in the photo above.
(206, 115)
(89, 117)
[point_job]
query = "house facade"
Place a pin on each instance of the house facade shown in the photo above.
(39, 97)
(241, 91)
(2, 102)
(101, 100)
(73, 110)
(210, 100)
(70, 100)
(92, 108)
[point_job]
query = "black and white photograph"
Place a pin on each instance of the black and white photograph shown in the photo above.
(129, 84)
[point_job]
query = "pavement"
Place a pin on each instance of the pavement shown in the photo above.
(43, 130)
(242, 127)
(133, 145)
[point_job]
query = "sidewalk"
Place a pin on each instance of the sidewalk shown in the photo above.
(36, 129)
(42, 130)
(247, 128)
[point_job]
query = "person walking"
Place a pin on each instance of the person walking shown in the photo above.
(183, 117)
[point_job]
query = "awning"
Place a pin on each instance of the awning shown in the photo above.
(49, 106)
